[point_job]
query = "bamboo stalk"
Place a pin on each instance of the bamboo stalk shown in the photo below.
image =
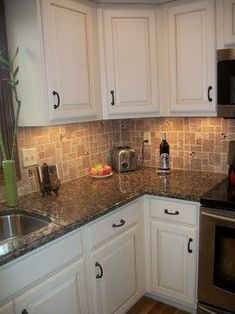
(15, 131)
(13, 82)
(2, 147)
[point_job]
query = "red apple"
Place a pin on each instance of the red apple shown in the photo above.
(107, 169)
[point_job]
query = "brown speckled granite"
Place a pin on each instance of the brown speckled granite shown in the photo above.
(85, 199)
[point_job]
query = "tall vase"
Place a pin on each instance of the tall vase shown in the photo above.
(10, 181)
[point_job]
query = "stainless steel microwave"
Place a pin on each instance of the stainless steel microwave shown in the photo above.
(226, 83)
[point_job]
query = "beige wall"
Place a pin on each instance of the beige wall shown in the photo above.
(195, 143)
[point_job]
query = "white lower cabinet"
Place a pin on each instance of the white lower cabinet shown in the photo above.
(102, 267)
(7, 309)
(64, 292)
(172, 251)
(173, 260)
(115, 273)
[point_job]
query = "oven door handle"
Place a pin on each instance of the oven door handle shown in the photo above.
(218, 217)
(206, 309)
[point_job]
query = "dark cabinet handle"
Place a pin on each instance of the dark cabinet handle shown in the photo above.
(122, 222)
(24, 311)
(54, 93)
(113, 101)
(101, 270)
(208, 93)
(166, 211)
(190, 240)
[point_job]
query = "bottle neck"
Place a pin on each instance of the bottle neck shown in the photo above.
(164, 136)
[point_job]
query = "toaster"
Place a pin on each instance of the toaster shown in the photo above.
(124, 159)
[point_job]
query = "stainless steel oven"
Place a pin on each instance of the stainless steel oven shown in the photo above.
(216, 283)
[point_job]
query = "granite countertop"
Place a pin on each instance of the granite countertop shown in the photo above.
(85, 199)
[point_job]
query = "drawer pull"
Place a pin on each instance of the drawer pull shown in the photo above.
(98, 276)
(190, 240)
(122, 222)
(24, 311)
(166, 211)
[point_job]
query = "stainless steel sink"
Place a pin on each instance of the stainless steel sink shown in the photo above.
(18, 225)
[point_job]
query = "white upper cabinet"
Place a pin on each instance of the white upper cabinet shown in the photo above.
(70, 59)
(58, 60)
(7, 309)
(129, 61)
(225, 10)
(192, 58)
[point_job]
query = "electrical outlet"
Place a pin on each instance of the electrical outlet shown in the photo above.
(147, 137)
(29, 157)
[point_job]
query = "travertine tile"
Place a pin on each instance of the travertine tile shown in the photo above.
(195, 143)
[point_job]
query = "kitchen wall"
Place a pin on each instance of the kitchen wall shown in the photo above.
(73, 147)
(195, 144)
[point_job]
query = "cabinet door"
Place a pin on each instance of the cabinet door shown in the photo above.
(64, 292)
(71, 58)
(7, 309)
(192, 60)
(229, 22)
(130, 50)
(115, 273)
(173, 261)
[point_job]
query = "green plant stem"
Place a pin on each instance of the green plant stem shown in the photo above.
(2, 147)
(15, 131)
(13, 82)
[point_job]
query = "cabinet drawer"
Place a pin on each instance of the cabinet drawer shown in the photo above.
(174, 210)
(106, 227)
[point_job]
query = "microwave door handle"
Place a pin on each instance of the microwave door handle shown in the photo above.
(218, 217)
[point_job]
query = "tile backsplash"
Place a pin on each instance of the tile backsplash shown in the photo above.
(195, 143)
(72, 147)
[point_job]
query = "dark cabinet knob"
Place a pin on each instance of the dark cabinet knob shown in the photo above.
(190, 240)
(113, 101)
(209, 94)
(54, 93)
(122, 222)
(98, 276)
(167, 212)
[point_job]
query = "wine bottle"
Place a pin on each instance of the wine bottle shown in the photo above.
(164, 154)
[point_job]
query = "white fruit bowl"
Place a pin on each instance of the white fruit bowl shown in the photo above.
(101, 177)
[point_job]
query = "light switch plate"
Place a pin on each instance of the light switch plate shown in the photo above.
(29, 156)
(147, 136)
